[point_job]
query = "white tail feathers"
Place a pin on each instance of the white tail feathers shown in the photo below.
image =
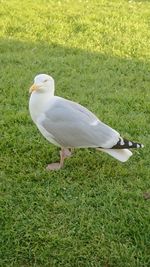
(120, 154)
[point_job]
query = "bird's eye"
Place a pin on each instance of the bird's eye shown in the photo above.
(45, 81)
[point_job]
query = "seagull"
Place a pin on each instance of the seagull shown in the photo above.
(69, 125)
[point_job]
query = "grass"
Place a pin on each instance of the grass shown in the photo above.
(92, 213)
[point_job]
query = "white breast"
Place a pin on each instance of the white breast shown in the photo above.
(38, 104)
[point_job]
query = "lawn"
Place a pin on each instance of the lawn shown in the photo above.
(93, 212)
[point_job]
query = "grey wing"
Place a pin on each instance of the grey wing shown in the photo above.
(72, 125)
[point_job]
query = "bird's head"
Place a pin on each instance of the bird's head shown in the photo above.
(42, 83)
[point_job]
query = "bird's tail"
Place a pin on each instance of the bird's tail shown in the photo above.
(120, 154)
(120, 151)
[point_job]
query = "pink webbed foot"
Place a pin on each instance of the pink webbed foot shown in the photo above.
(54, 166)
(64, 153)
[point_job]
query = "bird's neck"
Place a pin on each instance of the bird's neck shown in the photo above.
(38, 103)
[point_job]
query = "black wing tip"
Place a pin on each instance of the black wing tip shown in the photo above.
(141, 145)
(124, 143)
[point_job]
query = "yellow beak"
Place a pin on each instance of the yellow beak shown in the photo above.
(34, 87)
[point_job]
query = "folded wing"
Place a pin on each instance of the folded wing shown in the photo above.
(72, 125)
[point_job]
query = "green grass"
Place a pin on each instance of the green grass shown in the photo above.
(92, 213)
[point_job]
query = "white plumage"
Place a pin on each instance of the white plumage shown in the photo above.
(70, 125)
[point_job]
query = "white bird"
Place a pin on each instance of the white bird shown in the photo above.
(69, 125)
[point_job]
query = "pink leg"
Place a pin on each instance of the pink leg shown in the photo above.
(64, 153)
